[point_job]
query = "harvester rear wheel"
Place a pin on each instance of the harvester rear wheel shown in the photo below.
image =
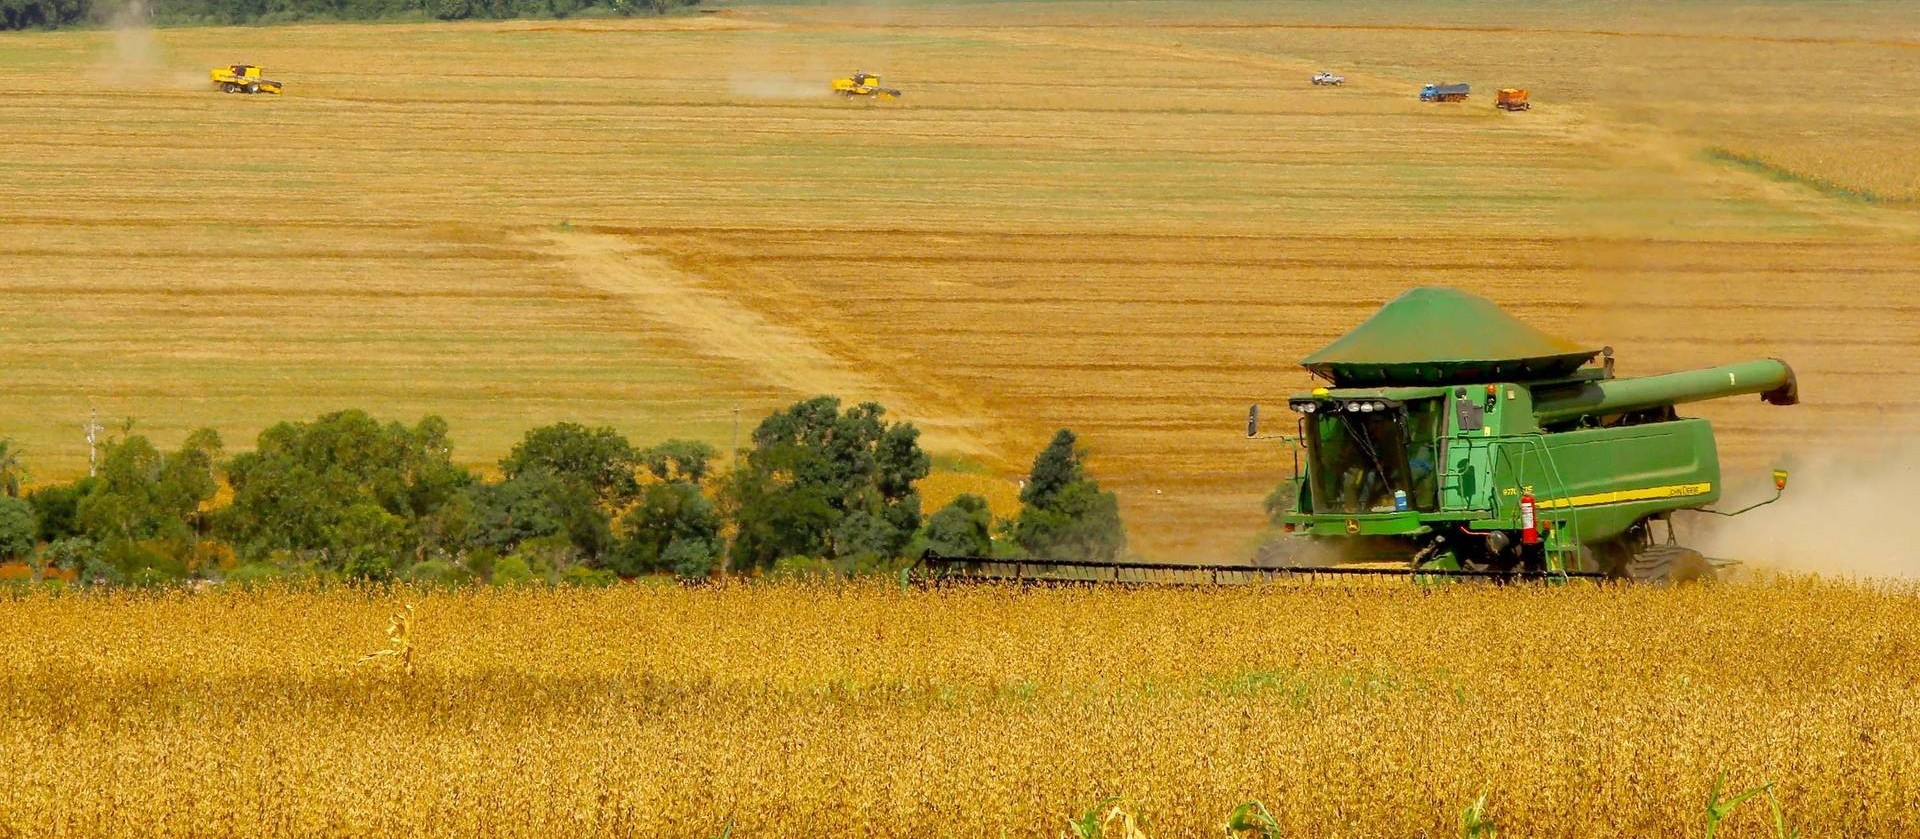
(1669, 565)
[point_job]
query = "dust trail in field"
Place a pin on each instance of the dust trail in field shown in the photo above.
(776, 86)
(134, 58)
(713, 323)
(1843, 513)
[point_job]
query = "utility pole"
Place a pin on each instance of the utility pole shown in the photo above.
(93, 440)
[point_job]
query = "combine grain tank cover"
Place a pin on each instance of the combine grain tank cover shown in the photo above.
(1433, 336)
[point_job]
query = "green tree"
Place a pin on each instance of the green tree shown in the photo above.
(537, 505)
(57, 508)
(317, 489)
(962, 528)
(598, 460)
(141, 494)
(19, 533)
(1064, 513)
(672, 526)
(812, 467)
(667, 514)
(686, 461)
(1054, 469)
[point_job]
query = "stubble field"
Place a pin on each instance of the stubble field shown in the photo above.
(1126, 218)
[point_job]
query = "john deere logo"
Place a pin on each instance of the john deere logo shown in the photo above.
(1353, 525)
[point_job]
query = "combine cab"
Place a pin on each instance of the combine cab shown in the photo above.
(1513, 99)
(1444, 93)
(863, 86)
(1325, 78)
(243, 78)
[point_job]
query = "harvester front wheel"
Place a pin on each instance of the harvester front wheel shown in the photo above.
(1669, 565)
(229, 87)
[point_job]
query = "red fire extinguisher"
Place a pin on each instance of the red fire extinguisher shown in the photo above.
(1529, 528)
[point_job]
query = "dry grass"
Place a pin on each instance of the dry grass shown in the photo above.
(867, 711)
(1078, 216)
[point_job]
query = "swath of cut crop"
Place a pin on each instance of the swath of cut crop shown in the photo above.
(717, 325)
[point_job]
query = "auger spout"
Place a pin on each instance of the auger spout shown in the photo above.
(1770, 377)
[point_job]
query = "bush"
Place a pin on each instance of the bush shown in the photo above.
(962, 528)
(512, 571)
(690, 559)
(437, 572)
(481, 562)
(584, 577)
(803, 568)
(69, 554)
(18, 530)
(57, 508)
(547, 556)
(870, 564)
(145, 562)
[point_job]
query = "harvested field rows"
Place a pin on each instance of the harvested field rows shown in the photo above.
(1077, 216)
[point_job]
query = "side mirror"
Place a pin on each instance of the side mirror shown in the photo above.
(1253, 421)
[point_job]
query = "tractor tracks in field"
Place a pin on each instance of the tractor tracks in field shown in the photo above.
(776, 349)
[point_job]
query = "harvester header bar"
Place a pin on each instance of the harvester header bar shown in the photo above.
(1176, 573)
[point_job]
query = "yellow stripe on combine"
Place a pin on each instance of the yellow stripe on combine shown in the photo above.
(1619, 496)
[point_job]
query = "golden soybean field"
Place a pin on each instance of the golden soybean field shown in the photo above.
(866, 710)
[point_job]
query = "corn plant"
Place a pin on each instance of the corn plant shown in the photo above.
(1251, 820)
(1475, 823)
(1781, 829)
(399, 640)
(1099, 821)
(1718, 810)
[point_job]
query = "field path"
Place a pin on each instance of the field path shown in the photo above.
(713, 322)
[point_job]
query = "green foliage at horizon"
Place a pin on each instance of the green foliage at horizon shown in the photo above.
(962, 528)
(347, 496)
(1064, 514)
(826, 483)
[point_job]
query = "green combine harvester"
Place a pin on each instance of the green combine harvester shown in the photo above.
(1453, 440)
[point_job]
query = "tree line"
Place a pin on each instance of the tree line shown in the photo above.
(52, 14)
(820, 489)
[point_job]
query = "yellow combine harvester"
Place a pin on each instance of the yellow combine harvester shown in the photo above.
(243, 78)
(863, 85)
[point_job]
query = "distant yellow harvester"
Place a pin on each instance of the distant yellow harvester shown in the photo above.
(865, 85)
(243, 78)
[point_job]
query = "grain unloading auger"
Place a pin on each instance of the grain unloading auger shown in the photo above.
(1454, 440)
